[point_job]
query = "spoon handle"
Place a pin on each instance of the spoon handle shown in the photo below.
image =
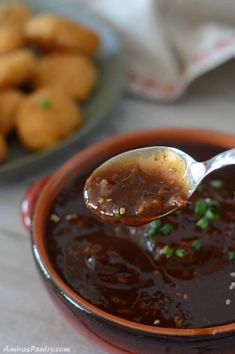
(221, 160)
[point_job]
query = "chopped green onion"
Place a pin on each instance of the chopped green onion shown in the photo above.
(202, 223)
(181, 252)
(231, 256)
(201, 207)
(151, 233)
(166, 229)
(217, 184)
(197, 244)
(212, 203)
(207, 209)
(168, 251)
(116, 213)
(46, 103)
(156, 224)
(211, 215)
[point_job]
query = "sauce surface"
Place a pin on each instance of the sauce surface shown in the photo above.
(137, 188)
(178, 274)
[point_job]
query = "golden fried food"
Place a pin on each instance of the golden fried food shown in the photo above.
(16, 67)
(10, 39)
(12, 21)
(10, 102)
(72, 73)
(51, 31)
(15, 14)
(3, 148)
(59, 69)
(46, 117)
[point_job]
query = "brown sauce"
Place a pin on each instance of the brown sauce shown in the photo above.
(184, 278)
(138, 188)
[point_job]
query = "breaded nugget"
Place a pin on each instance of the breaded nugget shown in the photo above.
(73, 73)
(10, 102)
(46, 117)
(51, 31)
(11, 38)
(12, 21)
(16, 67)
(3, 148)
(15, 14)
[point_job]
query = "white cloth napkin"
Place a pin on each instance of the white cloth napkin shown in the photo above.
(169, 43)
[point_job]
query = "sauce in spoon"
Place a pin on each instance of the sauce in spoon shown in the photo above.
(135, 188)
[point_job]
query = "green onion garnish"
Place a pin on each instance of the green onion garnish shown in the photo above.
(116, 213)
(166, 229)
(201, 207)
(217, 184)
(46, 103)
(231, 256)
(212, 203)
(202, 223)
(207, 209)
(156, 224)
(211, 215)
(181, 252)
(197, 244)
(151, 233)
(168, 251)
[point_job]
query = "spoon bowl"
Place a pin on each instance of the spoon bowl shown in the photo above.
(144, 184)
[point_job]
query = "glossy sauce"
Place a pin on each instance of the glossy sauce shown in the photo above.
(123, 271)
(137, 188)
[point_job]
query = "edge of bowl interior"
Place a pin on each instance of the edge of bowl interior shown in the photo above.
(84, 158)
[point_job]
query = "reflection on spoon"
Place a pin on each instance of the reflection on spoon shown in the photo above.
(141, 185)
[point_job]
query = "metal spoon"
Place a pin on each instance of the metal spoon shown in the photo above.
(197, 171)
(190, 173)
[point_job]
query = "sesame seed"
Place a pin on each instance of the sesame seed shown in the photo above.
(228, 301)
(156, 322)
(55, 218)
(213, 332)
(185, 296)
(104, 182)
(232, 274)
(122, 211)
(69, 217)
(232, 285)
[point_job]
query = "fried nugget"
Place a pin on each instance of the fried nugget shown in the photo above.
(3, 148)
(10, 39)
(12, 21)
(73, 73)
(10, 102)
(15, 14)
(51, 31)
(46, 117)
(16, 67)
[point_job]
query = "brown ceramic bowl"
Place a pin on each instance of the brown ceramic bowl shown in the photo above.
(125, 335)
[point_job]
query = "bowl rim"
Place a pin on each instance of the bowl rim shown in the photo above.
(66, 171)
